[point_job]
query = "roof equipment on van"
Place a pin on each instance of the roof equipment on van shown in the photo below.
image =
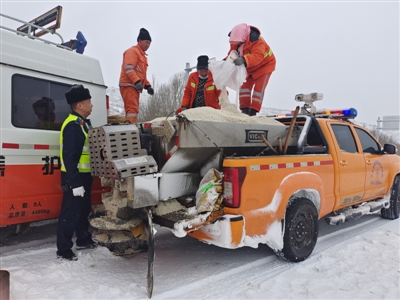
(47, 23)
(79, 44)
(42, 21)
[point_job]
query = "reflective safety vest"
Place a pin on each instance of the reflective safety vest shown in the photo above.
(84, 160)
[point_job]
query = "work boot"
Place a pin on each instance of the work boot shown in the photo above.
(90, 244)
(252, 112)
(67, 255)
(246, 111)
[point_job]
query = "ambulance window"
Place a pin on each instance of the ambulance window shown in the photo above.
(38, 103)
(345, 138)
(368, 144)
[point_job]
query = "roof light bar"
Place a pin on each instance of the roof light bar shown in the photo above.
(348, 113)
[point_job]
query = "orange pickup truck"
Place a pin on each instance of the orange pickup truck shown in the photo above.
(340, 172)
(270, 182)
(331, 168)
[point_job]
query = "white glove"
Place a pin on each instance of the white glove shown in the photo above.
(79, 191)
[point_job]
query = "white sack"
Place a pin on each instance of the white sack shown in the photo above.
(227, 74)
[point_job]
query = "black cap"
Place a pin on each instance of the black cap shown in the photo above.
(144, 35)
(77, 93)
(202, 62)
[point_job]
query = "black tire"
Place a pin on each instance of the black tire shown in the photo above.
(301, 230)
(393, 211)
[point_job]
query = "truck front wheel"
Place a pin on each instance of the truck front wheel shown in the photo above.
(301, 230)
(393, 211)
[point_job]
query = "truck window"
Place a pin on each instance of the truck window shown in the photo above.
(369, 145)
(345, 138)
(38, 103)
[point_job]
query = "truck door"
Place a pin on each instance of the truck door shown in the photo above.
(351, 165)
(376, 165)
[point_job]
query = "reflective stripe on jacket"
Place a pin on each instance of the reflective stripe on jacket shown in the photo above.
(211, 93)
(84, 160)
(258, 55)
(134, 67)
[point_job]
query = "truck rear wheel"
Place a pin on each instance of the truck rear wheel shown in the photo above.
(301, 230)
(393, 211)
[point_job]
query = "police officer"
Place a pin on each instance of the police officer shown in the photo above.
(76, 179)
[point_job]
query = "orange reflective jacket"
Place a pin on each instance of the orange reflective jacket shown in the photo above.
(258, 55)
(134, 67)
(211, 93)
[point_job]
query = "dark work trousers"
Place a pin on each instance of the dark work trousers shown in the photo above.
(74, 217)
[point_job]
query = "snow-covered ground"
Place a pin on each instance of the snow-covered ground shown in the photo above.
(356, 260)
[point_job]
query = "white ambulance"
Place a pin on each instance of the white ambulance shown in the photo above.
(35, 74)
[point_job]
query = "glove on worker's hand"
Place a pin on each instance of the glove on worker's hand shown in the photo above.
(239, 61)
(150, 90)
(139, 86)
(79, 191)
(180, 109)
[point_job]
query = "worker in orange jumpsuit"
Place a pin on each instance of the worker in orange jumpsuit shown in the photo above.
(133, 78)
(200, 89)
(260, 62)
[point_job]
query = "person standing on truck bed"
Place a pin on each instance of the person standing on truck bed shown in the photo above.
(200, 89)
(76, 178)
(260, 62)
(133, 78)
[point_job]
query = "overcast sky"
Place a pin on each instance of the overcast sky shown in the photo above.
(347, 50)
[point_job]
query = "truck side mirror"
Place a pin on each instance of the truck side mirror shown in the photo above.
(389, 149)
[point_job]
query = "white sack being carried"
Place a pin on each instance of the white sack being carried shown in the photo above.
(227, 74)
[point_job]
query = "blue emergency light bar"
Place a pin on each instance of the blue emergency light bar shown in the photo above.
(348, 113)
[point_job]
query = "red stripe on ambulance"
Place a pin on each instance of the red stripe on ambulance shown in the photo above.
(29, 146)
(41, 147)
(10, 146)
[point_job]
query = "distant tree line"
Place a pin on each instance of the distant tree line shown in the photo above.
(165, 101)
